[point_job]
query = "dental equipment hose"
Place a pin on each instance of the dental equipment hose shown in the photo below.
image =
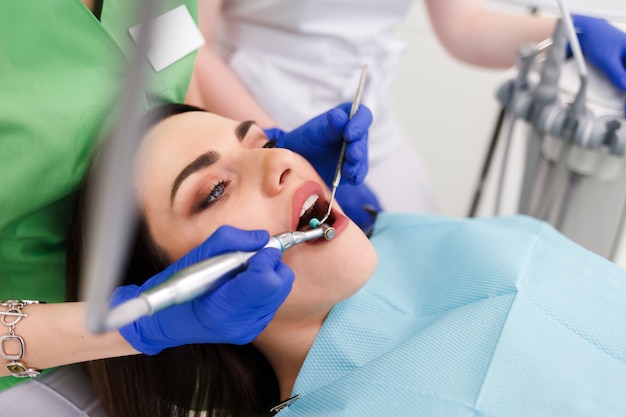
(111, 206)
(484, 173)
(572, 115)
(526, 55)
(337, 178)
(202, 278)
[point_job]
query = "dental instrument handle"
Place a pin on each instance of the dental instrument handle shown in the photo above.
(342, 152)
(201, 278)
(570, 30)
(355, 106)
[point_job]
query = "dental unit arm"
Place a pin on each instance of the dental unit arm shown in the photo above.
(202, 278)
(564, 132)
(573, 167)
(111, 206)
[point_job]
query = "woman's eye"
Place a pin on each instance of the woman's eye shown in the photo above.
(270, 144)
(214, 195)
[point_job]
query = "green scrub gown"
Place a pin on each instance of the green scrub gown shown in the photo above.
(62, 72)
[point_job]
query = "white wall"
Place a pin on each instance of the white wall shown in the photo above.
(607, 9)
(447, 109)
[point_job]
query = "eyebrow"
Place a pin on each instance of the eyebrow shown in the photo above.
(203, 161)
(206, 159)
(242, 129)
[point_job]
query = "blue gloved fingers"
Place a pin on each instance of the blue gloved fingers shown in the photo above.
(234, 313)
(355, 133)
(263, 281)
(249, 300)
(610, 60)
(338, 119)
(356, 161)
(229, 239)
(274, 133)
(604, 46)
(358, 125)
(320, 141)
(141, 333)
(123, 293)
(224, 239)
(360, 204)
(321, 132)
(353, 129)
(321, 135)
(618, 75)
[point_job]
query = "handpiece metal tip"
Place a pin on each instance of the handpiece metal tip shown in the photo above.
(329, 231)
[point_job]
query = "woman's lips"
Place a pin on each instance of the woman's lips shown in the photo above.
(300, 196)
(341, 222)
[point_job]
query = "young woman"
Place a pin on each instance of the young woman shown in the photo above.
(66, 63)
(499, 317)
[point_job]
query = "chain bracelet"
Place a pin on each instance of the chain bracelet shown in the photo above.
(10, 318)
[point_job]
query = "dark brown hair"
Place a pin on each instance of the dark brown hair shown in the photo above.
(225, 380)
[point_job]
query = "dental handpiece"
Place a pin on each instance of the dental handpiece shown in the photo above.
(202, 278)
(342, 152)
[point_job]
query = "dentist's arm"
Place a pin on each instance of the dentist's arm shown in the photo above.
(56, 334)
(478, 36)
(214, 86)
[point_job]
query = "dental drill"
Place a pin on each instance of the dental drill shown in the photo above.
(337, 178)
(202, 278)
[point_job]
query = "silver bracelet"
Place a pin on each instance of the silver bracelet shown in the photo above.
(10, 318)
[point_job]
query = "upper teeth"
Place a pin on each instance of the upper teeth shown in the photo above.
(309, 203)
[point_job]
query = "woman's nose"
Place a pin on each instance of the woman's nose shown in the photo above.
(277, 165)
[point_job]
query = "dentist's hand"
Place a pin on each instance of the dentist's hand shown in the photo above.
(360, 204)
(604, 46)
(235, 313)
(320, 139)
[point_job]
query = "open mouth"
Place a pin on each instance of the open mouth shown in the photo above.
(314, 207)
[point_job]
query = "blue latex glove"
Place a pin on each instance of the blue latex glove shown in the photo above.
(604, 46)
(360, 204)
(235, 313)
(320, 139)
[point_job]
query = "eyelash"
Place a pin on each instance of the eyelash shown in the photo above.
(270, 144)
(213, 196)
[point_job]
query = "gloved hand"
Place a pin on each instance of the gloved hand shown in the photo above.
(320, 139)
(235, 313)
(604, 46)
(360, 205)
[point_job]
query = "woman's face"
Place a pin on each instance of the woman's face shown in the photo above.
(197, 171)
